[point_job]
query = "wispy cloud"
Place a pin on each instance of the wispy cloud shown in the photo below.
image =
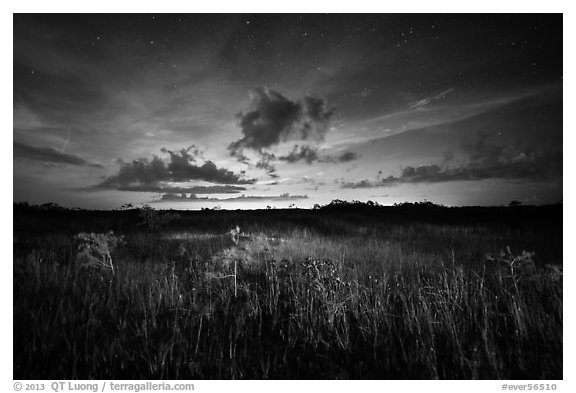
(167, 188)
(436, 114)
(425, 101)
(48, 155)
(66, 143)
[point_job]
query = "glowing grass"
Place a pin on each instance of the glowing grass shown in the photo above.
(383, 303)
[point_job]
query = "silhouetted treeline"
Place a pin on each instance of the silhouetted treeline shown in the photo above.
(332, 218)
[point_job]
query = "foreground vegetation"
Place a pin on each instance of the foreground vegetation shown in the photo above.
(317, 294)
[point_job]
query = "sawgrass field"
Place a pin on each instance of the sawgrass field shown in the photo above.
(350, 291)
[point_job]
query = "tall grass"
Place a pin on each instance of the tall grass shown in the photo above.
(409, 301)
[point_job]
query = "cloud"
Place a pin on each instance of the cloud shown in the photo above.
(481, 150)
(219, 189)
(172, 197)
(274, 118)
(428, 100)
(347, 156)
(536, 167)
(364, 183)
(309, 154)
(486, 160)
(266, 163)
(317, 118)
(306, 153)
(181, 167)
(48, 155)
(463, 113)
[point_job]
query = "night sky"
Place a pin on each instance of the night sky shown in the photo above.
(248, 111)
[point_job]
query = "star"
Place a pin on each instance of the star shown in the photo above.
(365, 92)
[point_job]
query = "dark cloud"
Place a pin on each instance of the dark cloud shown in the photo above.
(48, 155)
(266, 162)
(193, 153)
(486, 160)
(219, 189)
(483, 151)
(348, 156)
(364, 183)
(275, 118)
(140, 171)
(306, 153)
(513, 160)
(182, 197)
(317, 118)
(182, 166)
(309, 154)
(536, 167)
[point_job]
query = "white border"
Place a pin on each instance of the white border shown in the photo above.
(300, 6)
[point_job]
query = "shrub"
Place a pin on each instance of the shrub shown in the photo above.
(94, 249)
(153, 220)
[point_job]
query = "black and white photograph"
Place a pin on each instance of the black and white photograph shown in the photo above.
(287, 196)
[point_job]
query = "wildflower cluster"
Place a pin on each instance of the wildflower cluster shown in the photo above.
(235, 234)
(321, 275)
